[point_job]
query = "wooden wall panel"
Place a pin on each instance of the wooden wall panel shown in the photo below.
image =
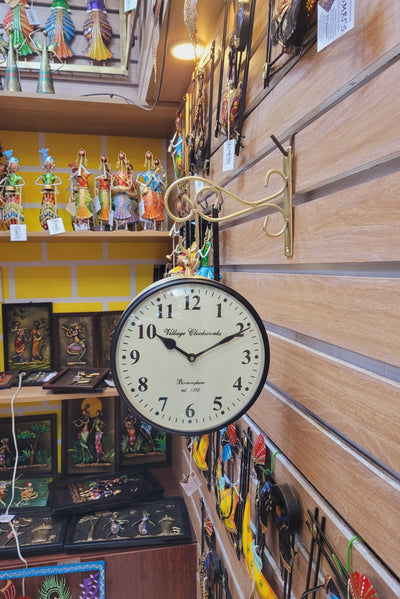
(350, 225)
(361, 405)
(358, 313)
(345, 481)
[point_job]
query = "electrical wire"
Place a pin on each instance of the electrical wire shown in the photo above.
(14, 476)
(155, 103)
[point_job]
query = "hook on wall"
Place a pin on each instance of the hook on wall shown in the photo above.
(204, 186)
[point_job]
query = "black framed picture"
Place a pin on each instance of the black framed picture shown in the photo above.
(89, 443)
(152, 523)
(8, 379)
(75, 339)
(29, 492)
(140, 443)
(74, 380)
(79, 495)
(37, 445)
(106, 323)
(27, 336)
(38, 532)
(38, 377)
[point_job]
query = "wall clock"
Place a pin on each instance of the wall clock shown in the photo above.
(189, 355)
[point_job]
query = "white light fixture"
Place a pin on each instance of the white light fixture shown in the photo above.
(185, 50)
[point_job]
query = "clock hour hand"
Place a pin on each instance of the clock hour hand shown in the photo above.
(221, 342)
(171, 344)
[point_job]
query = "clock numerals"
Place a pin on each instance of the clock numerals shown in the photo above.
(192, 302)
(219, 310)
(217, 403)
(164, 401)
(190, 411)
(246, 356)
(142, 385)
(238, 384)
(150, 331)
(134, 356)
(164, 311)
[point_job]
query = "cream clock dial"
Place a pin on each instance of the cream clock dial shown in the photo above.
(189, 355)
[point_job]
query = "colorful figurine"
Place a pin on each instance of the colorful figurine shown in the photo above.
(19, 29)
(97, 31)
(83, 200)
(123, 204)
(61, 29)
(13, 211)
(155, 184)
(49, 182)
(176, 148)
(103, 192)
(143, 527)
(115, 524)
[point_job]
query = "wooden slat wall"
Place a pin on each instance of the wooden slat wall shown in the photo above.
(331, 403)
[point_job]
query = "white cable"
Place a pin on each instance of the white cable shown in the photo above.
(15, 533)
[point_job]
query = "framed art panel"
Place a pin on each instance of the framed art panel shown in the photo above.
(75, 380)
(38, 532)
(153, 523)
(141, 443)
(37, 445)
(29, 492)
(80, 495)
(89, 436)
(27, 336)
(38, 377)
(106, 323)
(75, 340)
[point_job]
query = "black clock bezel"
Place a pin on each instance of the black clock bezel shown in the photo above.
(180, 281)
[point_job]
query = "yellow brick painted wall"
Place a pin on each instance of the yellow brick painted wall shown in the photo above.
(75, 277)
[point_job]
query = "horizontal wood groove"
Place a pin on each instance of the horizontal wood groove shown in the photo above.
(344, 311)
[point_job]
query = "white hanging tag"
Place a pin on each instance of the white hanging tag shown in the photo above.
(18, 233)
(141, 207)
(95, 205)
(190, 483)
(55, 225)
(111, 219)
(33, 16)
(6, 518)
(129, 5)
(228, 155)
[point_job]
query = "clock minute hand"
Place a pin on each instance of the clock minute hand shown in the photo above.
(221, 342)
(171, 344)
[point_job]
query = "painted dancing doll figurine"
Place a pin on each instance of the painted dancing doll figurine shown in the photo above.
(103, 193)
(49, 182)
(123, 204)
(13, 211)
(83, 201)
(155, 184)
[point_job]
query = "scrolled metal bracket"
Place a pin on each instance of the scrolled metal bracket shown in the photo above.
(206, 189)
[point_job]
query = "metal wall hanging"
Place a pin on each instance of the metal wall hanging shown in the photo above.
(194, 205)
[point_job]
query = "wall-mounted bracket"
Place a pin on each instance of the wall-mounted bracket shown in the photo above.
(206, 192)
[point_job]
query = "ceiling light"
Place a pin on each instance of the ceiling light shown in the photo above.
(185, 50)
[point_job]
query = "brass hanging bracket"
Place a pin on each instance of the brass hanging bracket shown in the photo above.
(183, 208)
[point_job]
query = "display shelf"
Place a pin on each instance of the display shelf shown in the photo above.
(85, 115)
(37, 394)
(81, 236)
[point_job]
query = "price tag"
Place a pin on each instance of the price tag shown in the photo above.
(129, 5)
(6, 518)
(228, 155)
(95, 205)
(111, 218)
(83, 226)
(32, 15)
(141, 207)
(198, 185)
(56, 225)
(190, 483)
(18, 233)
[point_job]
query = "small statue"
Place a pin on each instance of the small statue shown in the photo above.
(103, 192)
(49, 182)
(153, 188)
(123, 204)
(13, 211)
(83, 201)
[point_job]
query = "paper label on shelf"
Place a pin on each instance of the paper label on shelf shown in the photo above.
(335, 18)
(18, 233)
(228, 155)
(190, 483)
(32, 15)
(55, 225)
